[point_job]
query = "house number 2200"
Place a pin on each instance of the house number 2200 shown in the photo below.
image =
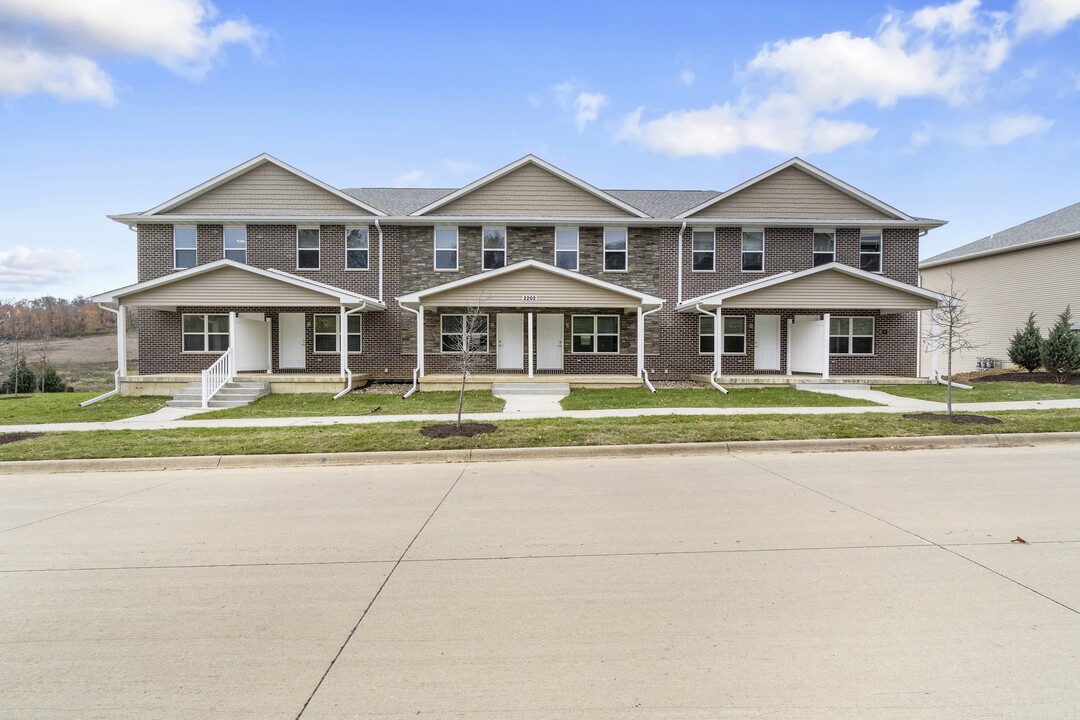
(528, 298)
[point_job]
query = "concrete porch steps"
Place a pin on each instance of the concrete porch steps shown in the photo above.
(232, 394)
(539, 388)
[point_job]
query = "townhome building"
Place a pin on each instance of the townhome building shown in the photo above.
(267, 272)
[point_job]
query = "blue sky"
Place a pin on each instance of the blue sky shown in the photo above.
(965, 111)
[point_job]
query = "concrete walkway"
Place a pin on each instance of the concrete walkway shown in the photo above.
(531, 397)
(864, 392)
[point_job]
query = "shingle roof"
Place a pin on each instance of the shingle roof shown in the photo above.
(1060, 223)
(663, 203)
(398, 201)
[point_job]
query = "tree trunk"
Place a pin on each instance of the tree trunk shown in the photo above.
(461, 397)
(948, 388)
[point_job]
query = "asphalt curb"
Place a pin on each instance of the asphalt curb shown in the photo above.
(586, 452)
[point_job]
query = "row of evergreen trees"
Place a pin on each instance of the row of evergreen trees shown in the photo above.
(1058, 352)
(23, 379)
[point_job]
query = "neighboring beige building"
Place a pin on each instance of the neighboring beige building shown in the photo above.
(1033, 267)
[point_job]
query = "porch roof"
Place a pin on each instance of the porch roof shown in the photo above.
(228, 283)
(530, 284)
(832, 285)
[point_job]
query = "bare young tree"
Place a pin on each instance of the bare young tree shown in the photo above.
(950, 330)
(41, 346)
(13, 330)
(469, 341)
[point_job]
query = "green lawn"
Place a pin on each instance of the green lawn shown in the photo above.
(64, 407)
(588, 399)
(512, 433)
(319, 405)
(986, 392)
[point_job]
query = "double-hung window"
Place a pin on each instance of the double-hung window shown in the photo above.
(734, 340)
(704, 250)
(327, 333)
(307, 248)
(235, 239)
(870, 250)
(851, 336)
(205, 333)
(706, 334)
(566, 248)
(824, 247)
(356, 248)
(615, 249)
(595, 334)
(446, 248)
(185, 240)
(494, 248)
(753, 250)
(461, 332)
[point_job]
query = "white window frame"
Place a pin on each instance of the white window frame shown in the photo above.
(463, 316)
(743, 251)
(316, 249)
(881, 247)
(225, 249)
(435, 249)
(625, 252)
(851, 335)
(814, 252)
(596, 334)
(194, 249)
(205, 334)
(337, 333)
(366, 248)
(711, 252)
(703, 334)
(576, 250)
(484, 249)
(725, 334)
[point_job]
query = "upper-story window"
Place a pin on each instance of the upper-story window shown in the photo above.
(307, 248)
(356, 248)
(494, 247)
(185, 241)
(446, 248)
(615, 249)
(870, 250)
(704, 252)
(824, 247)
(566, 248)
(753, 250)
(235, 240)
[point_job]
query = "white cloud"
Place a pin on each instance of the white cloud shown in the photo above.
(958, 17)
(1008, 129)
(919, 139)
(24, 70)
(23, 268)
(412, 178)
(587, 108)
(572, 99)
(1044, 16)
(687, 77)
(459, 167)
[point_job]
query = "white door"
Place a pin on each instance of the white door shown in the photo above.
(292, 350)
(251, 343)
(511, 351)
(549, 342)
(808, 346)
(766, 342)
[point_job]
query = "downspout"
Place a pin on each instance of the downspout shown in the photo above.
(644, 372)
(344, 337)
(416, 370)
(717, 335)
(116, 373)
(678, 293)
(378, 229)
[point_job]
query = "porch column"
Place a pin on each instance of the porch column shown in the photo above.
(121, 341)
(269, 346)
(718, 343)
(420, 341)
(825, 329)
(790, 327)
(640, 343)
(343, 340)
(530, 344)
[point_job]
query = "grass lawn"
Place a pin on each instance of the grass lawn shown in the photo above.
(587, 399)
(512, 433)
(64, 407)
(986, 392)
(319, 404)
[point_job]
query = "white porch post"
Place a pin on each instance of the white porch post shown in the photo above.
(121, 341)
(790, 327)
(343, 340)
(530, 344)
(825, 329)
(640, 343)
(269, 346)
(718, 343)
(420, 341)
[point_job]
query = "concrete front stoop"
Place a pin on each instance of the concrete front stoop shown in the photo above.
(531, 397)
(232, 394)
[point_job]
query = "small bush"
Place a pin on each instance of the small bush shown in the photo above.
(50, 380)
(1061, 349)
(21, 379)
(1025, 347)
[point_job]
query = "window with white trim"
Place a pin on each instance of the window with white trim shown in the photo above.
(704, 250)
(204, 333)
(463, 331)
(185, 242)
(446, 248)
(851, 336)
(734, 340)
(706, 334)
(566, 248)
(753, 251)
(307, 248)
(870, 250)
(594, 334)
(356, 248)
(494, 242)
(327, 333)
(616, 249)
(824, 247)
(235, 241)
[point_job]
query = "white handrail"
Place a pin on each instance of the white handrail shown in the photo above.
(215, 376)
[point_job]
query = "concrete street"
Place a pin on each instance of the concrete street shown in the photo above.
(850, 585)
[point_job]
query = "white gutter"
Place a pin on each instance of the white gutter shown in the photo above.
(378, 229)
(678, 301)
(116, 373)
(416, 370)
(942, 381)
(717, 332)
(644, 372)
(344, 338)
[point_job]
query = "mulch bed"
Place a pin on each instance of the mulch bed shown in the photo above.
(956, 419)
(1035, 377)
(15, 397)
(16, 437)
(462, 430)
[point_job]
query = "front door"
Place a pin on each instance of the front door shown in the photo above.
(292, 350)
(549, 342)
(511, 351)
(766, 342)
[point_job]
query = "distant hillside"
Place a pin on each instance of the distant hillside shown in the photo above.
(57, 317)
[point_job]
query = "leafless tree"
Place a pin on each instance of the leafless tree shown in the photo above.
(469, 345)
(13, 331)
(950, 330)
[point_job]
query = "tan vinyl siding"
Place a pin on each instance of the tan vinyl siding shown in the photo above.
(530, 191)
(268, 190)
(228, 286)
(1001, 290)
(829, 289)
(551, 290)
(791, 193)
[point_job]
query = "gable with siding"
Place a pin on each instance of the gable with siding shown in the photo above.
(832, 289)
(550, 290)
(227, 286)
(791, 193)
(268, 190)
